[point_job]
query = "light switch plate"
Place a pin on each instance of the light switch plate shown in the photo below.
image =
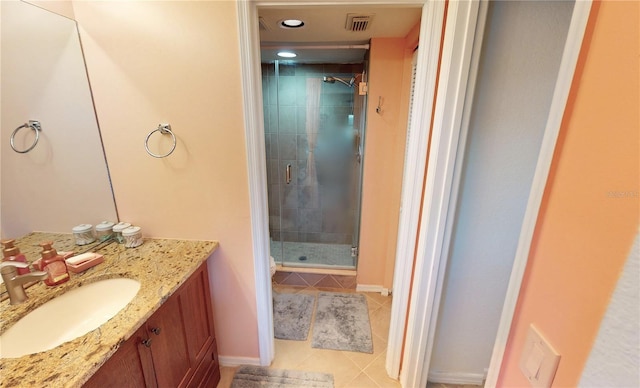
(539, 360)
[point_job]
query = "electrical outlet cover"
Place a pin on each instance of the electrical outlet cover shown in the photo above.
(539, 360)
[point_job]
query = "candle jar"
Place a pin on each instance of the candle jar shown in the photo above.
(132, 237)
(104, 230)
(83, 234)
(117, 231)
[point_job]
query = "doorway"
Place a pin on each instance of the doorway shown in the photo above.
(430, 33)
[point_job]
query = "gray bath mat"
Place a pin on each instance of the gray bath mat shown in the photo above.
(292, 315)
(255, 376)
(342, 323)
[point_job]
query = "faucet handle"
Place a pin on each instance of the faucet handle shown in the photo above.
(17, 264)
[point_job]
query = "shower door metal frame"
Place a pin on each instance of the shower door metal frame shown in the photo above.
(358, 158)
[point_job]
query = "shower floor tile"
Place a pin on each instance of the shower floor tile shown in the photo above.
(303, 254)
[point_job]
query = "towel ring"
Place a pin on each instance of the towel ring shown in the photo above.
(33, 124)
(164, 129)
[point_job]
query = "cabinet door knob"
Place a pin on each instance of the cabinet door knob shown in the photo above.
(156, 330)
(147, 342)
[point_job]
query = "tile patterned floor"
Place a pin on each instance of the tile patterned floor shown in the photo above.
(315, 280)
(349, 369)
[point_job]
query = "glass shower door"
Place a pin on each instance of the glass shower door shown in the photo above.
(314, 133)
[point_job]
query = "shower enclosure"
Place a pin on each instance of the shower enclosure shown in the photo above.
(314, 132)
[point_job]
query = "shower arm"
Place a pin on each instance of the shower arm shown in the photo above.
(343, 82)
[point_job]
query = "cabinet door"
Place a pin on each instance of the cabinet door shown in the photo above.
(130, 366)
(196, 313)
(169, 346)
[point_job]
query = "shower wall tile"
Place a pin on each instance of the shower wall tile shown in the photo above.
(265, 90)
(271, 145)
(272, 92)
(310, 237)
(273, 176)
(300, 89)
(287, 119)
(301, 120)
(288, 146)
(290, 197)
(333, 221)
(274, 223)
(306, 197)
(332, 69)
(310, 220)
(334, 238)
(310, 69)
(302, 172)
(274, 200)
(287, 91)
(269, 69)
(289, 221)
(273, 118)
(275, 147)
(290, 236)
(303, 147)
(267, 121)
(336, 118)
(287, 70)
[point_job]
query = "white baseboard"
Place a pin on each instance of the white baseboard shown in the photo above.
(456, 378)
(235, 361)
(373, 288)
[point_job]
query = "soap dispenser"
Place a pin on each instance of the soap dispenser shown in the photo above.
(12, 253)
(54, 264)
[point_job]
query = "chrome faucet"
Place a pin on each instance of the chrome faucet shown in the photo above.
(15, 283)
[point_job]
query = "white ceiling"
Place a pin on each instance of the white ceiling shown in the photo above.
(326, 26)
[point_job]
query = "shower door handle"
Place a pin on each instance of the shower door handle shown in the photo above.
(288, 174)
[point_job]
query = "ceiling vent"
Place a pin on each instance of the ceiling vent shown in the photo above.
(263, 24)
(358, 22)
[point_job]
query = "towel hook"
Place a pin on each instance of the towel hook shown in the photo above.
(33, 124)
(163, 129)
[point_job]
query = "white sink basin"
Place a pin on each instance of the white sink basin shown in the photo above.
(67, 317)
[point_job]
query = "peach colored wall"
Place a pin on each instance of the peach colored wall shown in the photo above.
(590, 209)
(61, 7)
(178, 62)
(383, 161)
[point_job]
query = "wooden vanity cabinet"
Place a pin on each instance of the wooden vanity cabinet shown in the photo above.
(176, 347)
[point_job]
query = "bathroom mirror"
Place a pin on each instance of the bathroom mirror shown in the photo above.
(64, 180)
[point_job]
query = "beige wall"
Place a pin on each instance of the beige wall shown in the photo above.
(61, 7)
(389, 79)
(590, 210)
(178, 62)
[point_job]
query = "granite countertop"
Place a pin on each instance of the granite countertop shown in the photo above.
(160, 265)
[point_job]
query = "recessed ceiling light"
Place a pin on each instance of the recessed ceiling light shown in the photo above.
(292, 23)
(287, 54)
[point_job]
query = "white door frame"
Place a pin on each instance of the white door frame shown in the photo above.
(458, 43)
(426, 72)
(575, 36)
(435, 236)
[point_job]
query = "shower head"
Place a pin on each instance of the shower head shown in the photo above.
(332, 80)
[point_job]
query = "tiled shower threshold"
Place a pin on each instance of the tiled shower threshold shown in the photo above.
(315, 255)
